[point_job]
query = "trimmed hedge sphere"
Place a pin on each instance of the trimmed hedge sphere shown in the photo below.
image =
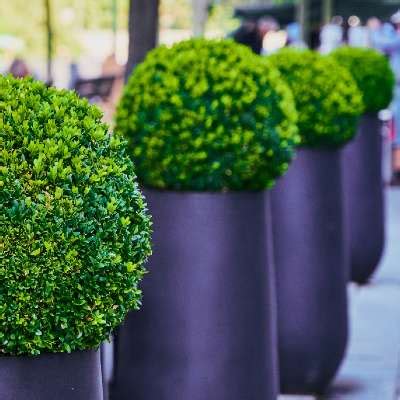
(207, 115)
(327, 98)
(74, 232)
(373, 74)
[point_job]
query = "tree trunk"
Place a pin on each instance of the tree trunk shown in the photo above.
(49, 44)
(200, 16)
(303, 17)
(114, 13)
(143, 31)
(327, 7)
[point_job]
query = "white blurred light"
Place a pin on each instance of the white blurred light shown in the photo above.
(67, 15)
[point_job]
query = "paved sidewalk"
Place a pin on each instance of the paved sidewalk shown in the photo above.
(371, 369)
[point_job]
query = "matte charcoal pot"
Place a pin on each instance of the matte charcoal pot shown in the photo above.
(207, 326)
(311, 271)
(363, 188)
(75, 376)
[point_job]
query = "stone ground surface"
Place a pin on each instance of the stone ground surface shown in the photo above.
(371, 370)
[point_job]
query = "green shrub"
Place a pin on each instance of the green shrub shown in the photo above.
(327, 98)
(207, 115)
(74, 232)
(373, 74)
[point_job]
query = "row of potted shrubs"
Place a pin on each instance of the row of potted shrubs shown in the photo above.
(242, 274)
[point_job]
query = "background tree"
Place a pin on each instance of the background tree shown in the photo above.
(143, 30)
(49, 34)
(200, 9)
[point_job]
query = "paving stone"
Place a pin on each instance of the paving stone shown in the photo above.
(371, 367)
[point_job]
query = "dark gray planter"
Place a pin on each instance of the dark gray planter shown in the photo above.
(311, 271)
(207, 326)
(364, 199)
(74, 376)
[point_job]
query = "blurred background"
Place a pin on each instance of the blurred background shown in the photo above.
(78, 37)
(92, 45)
(86, 32)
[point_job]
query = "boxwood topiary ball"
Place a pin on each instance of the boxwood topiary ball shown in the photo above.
(207, 115)
(373, 74)
(327, 98)
(74, 231)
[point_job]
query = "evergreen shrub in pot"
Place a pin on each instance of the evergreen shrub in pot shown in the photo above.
(74, 233)
(362, 161)
(209, 127)
(308, 226)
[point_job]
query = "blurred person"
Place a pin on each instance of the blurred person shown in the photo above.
(395, 62)
(386, 38)
(247, 34)
(294, 38)
(374, 23)
(274, 41)
(109, 67)
(251, 33)
(273, 38)
(357, 34)
(266, 25)
(19, 68)
(74, 75)
(331, 35)
(381, 35)
(373, 26)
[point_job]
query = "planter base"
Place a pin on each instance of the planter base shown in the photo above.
(75, 376)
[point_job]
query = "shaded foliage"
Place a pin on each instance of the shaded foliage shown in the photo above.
(327, 97)
(373, 74)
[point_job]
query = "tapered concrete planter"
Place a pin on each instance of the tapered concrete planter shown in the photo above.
(363, 188)
(207, 326)
(311, 271)
(75, 376)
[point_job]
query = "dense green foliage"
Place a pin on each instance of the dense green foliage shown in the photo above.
(74, 232)
(373, 74)
(327, 98)
(207, 115)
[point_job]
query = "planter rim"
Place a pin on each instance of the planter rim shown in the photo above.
(370, 114)
(47, 353)
(205, 192)
(324, 149)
